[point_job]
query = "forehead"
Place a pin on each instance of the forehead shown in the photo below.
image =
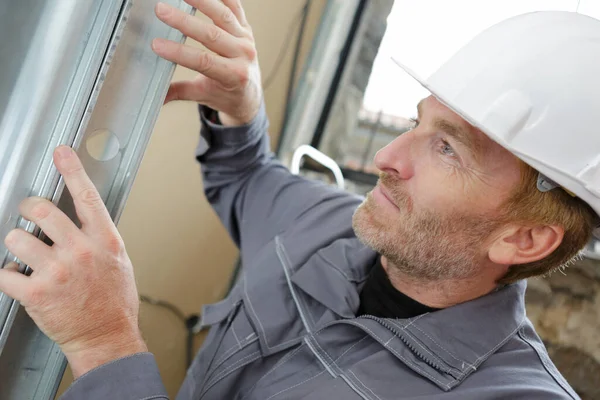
(432, 108)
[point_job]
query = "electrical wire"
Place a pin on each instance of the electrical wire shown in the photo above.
(285, 45)
(190, 323)
(161, 303)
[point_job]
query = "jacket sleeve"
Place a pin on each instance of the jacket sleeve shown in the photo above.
(131, 378)
(254, 195)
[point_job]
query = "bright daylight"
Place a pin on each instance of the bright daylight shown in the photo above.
(423, 49)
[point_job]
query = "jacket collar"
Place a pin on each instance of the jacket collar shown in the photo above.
(462, 336)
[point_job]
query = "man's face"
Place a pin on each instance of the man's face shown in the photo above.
(439, 197)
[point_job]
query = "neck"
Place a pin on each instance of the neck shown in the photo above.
(441, 293)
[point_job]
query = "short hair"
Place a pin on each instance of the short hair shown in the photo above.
(556, 207)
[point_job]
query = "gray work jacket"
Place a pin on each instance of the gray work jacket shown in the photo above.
(288, 329)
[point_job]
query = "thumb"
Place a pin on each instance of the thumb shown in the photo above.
(185, 90)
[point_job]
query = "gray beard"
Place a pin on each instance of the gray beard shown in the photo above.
(427, 247)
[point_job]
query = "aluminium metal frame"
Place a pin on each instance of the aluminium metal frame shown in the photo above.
(72, 70)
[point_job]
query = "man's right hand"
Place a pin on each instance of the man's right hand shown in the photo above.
(229, 79)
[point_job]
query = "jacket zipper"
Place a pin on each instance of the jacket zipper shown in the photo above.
(412, 348)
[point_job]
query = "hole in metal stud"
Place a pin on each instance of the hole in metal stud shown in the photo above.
(102, 145)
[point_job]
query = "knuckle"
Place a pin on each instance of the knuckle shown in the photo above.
(36, 295)
(205, 62)
(90, 197)
(249, 51)
(83, 255)
(61, 274)
(41, 210)
(75, 169)
(228, 16)
(183, 20)
(213, 33)
(114, 244)
(243, 77)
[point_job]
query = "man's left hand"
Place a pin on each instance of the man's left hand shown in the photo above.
(82, 291)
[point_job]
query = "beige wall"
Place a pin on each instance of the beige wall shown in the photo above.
(180, 251)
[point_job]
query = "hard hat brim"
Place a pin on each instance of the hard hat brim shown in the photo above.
(440, 96)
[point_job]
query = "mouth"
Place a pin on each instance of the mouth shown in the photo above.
(381, 196)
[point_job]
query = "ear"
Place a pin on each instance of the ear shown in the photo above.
(521, 245)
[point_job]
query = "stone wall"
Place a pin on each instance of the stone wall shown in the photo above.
(565, 309)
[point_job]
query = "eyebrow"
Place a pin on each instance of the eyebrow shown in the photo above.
(457, 132)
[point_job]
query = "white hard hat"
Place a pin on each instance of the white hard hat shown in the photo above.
(532, 84)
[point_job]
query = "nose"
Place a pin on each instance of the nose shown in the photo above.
(396, 158)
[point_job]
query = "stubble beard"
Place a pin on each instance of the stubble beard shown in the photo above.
(423, 245)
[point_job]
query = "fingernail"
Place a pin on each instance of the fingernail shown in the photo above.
(157, 45)
(64, 152)
(162, 9)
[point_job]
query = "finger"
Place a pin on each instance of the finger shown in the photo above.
(14, 284)
(88, 203)
(27, 248)
(220, 14)
(11, 266)
(185, 90)
(238, 11)
(211, 36)
(52, 221)
(210, 65)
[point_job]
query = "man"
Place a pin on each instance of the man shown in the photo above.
(415, 293)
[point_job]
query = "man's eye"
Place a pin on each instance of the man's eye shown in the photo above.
(446, 149)
(414, 122)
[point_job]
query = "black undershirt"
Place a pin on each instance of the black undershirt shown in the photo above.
(381, 299)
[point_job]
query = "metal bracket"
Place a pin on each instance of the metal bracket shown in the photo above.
(326, 161)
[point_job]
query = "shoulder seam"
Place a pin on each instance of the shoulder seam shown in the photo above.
(550, 369)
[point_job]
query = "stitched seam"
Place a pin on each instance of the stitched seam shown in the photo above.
(318, 349)
(406, 361)
(361, 393)
(238, 364)
(228, 353)
(325, 353)
(350, 348)
(365, 386)
(235, 364)
(437, 358)
(316, 353)
(460, 374)
(235, 336)
(218, 379)
(279, 363)
(301, 299)
(337, 269)
(284, 360)
(558, 378)
(412, 321)
(232, 351)
(285, 343)
(262, 329)
(296, 385)
(442, 347)
(499, 344)
(281, 254)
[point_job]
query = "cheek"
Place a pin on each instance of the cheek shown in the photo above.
(437, 187)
